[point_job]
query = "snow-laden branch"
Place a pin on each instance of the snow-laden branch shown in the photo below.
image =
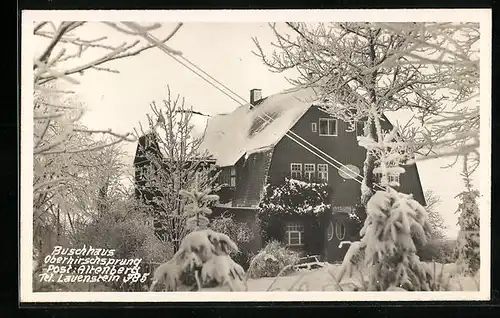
(125, 50)
(72, 163)
(425, 68)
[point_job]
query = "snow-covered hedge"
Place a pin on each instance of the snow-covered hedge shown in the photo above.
(296, 197)
(294, 200)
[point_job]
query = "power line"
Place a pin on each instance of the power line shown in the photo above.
(269, 117)
(156, 41)
(160, 45)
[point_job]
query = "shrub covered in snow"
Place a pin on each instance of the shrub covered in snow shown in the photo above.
(203, 259)
(239, 232)
(204, 255)
(271, 260)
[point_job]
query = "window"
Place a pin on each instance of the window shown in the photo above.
(309, 169)
(340, 230)
(327, 127)
(360, 128)
(343, 209)
(329, 231)
(314, 127)
(393, 178)
(232, 182)
(228, 177)
(296, 170)
(294, 234)
(323, 172)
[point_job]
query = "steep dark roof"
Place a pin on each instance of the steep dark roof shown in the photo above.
(254, 170)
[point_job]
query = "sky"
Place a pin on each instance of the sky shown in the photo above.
(224, 50)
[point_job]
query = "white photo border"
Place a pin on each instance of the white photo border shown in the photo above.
(484, 16)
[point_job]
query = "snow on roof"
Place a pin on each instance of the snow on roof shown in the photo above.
(229, 137)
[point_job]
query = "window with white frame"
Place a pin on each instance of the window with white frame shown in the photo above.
(309, 169)
(327, 127)
(323, 172)
(314, 127)
(340, 230)
(390, 178)
(294, 234)
(329, 231)
(296, 170)
(393, 178)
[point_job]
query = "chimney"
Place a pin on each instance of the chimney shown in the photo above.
(255, 95)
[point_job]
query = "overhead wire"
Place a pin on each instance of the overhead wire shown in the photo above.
(290, 134)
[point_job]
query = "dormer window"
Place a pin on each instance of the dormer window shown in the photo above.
(327, 127)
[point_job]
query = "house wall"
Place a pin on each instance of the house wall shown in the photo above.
(345, 192)
(342, 147)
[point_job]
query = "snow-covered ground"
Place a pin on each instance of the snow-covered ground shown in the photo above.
(322, 280)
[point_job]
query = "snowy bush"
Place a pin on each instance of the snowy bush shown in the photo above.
(203, 259)
(239, 232)
(272, 260)
(204, 255)
(395, 224)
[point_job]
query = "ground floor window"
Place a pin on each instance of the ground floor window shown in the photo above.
(336, 228)
(329, 231)
(340, 230)
(294, 234)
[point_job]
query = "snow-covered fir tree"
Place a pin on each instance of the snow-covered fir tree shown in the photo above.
(197, 210)
(395, 225)
(468, 238)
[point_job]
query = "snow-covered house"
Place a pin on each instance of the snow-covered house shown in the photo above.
(286, 136)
